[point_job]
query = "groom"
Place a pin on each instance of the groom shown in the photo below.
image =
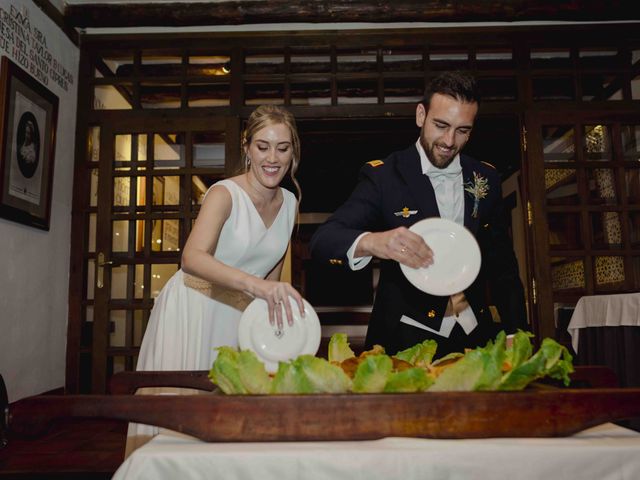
(429, 179)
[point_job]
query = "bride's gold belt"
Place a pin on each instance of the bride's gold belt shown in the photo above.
(234, 298)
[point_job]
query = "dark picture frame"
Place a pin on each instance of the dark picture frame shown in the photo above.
(28, 121)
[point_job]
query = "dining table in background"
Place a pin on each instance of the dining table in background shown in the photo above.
(605, 330)
(607, 451)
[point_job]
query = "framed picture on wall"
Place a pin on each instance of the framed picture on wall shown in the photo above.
(28, 119)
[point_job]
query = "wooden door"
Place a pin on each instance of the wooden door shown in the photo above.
(583, 179)
(149, 182)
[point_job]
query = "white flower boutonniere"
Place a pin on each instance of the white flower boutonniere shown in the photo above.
(478, 189)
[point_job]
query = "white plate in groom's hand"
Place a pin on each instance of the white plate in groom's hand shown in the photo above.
(456, 258)
(272, 345)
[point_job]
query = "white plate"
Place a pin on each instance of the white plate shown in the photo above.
(456, 258)
(271, 346)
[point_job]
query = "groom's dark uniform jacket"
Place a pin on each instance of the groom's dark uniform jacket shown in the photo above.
(388, 187)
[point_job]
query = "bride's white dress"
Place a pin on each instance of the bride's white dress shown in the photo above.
(185, 326)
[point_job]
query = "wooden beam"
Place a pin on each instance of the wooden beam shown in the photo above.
(134, 14)
(56, 17)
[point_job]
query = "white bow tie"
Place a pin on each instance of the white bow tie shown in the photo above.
(450, 173)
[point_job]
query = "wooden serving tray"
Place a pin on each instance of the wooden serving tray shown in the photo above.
(215, 417)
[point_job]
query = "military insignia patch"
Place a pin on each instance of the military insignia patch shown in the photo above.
(405, 212)
(375, 163)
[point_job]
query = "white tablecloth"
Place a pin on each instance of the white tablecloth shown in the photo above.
(604, 452)
(604, 311)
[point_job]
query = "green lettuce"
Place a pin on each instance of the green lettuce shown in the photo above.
(239, 372)
(339, 349)
(552, 359)
(410, 380)
(309, 374)
(421, 353)
(372, 374)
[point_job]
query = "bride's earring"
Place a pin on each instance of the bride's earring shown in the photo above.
(247, 162)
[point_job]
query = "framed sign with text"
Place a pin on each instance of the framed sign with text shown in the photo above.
(28, 119)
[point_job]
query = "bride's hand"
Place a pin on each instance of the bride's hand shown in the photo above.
(276, 295)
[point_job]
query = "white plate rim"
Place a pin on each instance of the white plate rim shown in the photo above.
(462, 234)
(258, 307)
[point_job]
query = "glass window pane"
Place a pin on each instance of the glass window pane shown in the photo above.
(118, 364)
(632, 185)
(307, 60)
(166, 191)
(114, 65)
(86, 330)
(160, 65)
(606, 230)
(120, 236)
(93, 146)
(138, 282)
(564, 231)
(121, 191)
(550, 58)
(119, 282)
(604, 58)
(498, 89)
(634, 229)
(364, 60)
(93, 194)
(599, 87)
(113, 97)
(567, 273)
(168, 150)
(118, 331)
(208, 94)
(609, 273)
(496, 58)
(311, 93)
(91, 278)
(166, 236)
(92, 233)
(602, 186)
(561, 186)
(213, 65)
(597, 143)
(263, 62)
(402, 60)
(160, 95)
(403, 90)
(160, 274)
(553, 88)
(123, 153)
(263, 93)
(448, 59)
(631, 142)
(635, 263)
(209, 149)
(558, 143)
(142, 147)
(357, 92)
(140, 235)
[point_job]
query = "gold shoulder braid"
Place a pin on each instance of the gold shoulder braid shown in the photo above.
(234, 298)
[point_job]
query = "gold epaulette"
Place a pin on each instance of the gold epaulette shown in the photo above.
(375, 163)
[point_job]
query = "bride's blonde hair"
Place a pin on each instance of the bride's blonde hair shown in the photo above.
(264, 116)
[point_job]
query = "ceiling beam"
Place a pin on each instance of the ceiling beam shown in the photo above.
(137, 14)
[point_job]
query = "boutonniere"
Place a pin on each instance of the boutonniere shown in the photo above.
(478, 189)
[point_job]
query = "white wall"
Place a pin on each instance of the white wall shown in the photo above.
(34, 264)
